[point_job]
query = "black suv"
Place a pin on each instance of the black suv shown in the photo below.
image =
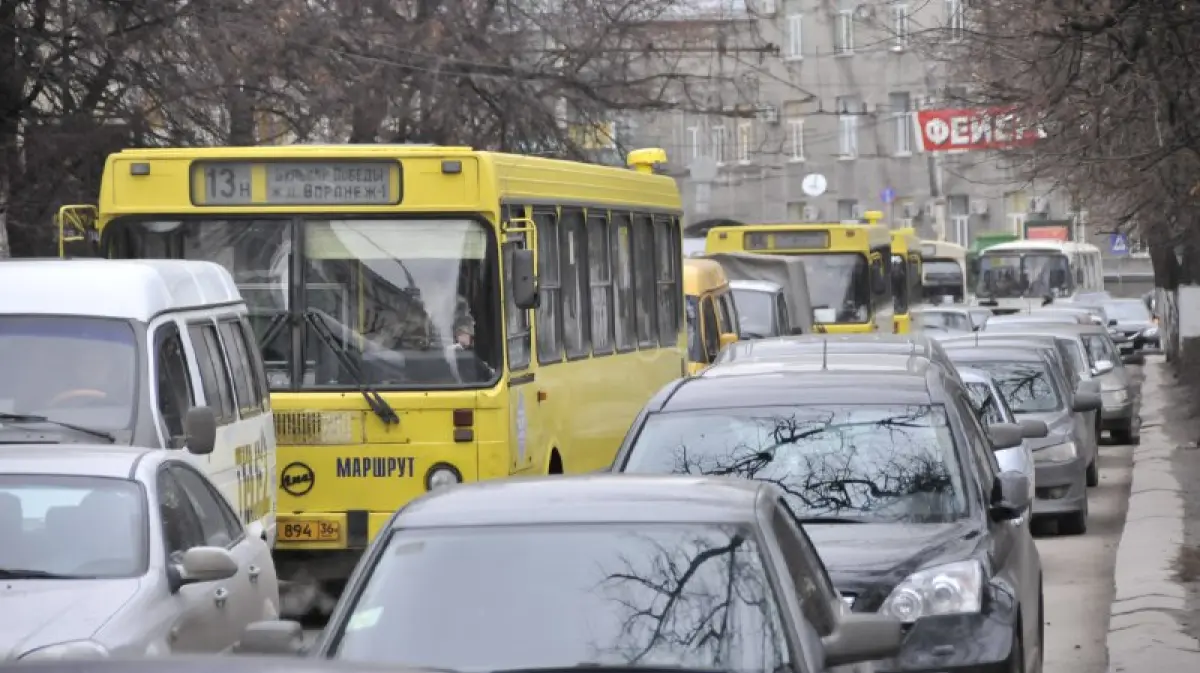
(895, 481)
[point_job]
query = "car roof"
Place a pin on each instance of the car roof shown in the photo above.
(1047, 329)
(783, 346)
(755, 285)
(100, 460)
(136, 289)
(818, 361)
(210, 664)
(1035, 318)
(592, 498)
(800, 386)
(989, 353)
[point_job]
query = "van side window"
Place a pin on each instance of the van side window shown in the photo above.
(214, 375)
(709, 328)
(239, 367)
(262, 386)
(173, 386)
(729, 317)
(785, 321)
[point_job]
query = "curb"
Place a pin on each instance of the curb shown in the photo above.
(1143, 631)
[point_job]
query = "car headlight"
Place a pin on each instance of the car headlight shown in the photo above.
(951, 589)
(1150, 331)
(1117, 396)
(442, 475)
(75, 649)
(1055, 453)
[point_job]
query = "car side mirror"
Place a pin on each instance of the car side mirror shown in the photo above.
(1033, 429)
(1010, 496)
(1102, 367)
(1085, 400)
(862, 637)
(797, 331)
(1112, 322)
(206, 564)
(728, 338)
(1005, 435)
(200, 426)
(279, 637)
(1134, 359)
(524, 282)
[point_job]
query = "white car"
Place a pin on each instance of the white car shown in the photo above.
(122, 551)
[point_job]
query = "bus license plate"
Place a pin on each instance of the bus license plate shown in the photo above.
(312, 530)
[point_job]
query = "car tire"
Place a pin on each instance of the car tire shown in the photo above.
(1074, 523)
(1130, 434)
(1093, 474)
(1016, 662)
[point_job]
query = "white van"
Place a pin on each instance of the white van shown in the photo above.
(144, 353)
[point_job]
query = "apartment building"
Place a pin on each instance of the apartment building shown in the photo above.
(831, 88)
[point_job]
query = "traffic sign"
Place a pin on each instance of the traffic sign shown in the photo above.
(888, 195)
(1118, 244)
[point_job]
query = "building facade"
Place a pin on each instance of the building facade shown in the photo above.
(830, 88)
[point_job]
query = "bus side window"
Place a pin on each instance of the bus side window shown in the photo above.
(709, 328)
(622, 260)
(574, 255)
(548, 316)
(248, 401)
(600, 282)
(516, 321)
(173, 387)
(669, 258)
(644, 280)
(214, 376)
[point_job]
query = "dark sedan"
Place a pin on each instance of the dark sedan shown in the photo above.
(898, 485)
(1135, 327)
(601, 572)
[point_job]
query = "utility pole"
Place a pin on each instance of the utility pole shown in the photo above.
(933, 163)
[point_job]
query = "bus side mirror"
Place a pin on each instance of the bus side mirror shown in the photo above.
(524, 283)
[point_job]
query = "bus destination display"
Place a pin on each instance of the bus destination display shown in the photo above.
(787, 240)
(344, 183)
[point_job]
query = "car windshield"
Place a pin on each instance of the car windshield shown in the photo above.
(1128, 311)
(943, 319)
(874, 462)
(1026, 386)
(78, 370)
(1100, 347)
(986, 404)
(755, 312)
(393, 303)
(71, 527)
(689, 596)
(839, 287)
(1034, 274)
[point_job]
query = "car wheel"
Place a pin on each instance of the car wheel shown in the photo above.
(1093, 474)
(1127, 435)
(1074, 523)
(1016, 660)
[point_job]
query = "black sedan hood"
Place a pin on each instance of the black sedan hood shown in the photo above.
(867, 561)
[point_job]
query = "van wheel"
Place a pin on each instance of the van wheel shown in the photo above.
(556, 466)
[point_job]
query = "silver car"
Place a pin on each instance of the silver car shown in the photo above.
(989, 403)
(122, 552)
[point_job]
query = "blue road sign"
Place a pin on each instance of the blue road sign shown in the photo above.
(1118, 244)
(888, 195)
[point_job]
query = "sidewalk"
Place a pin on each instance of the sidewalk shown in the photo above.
(1154, 623)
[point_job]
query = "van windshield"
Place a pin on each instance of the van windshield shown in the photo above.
(70, 369)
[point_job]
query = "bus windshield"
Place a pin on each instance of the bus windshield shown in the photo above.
(394, 303)
(942, 277)
(840, 287)
(1033, 274)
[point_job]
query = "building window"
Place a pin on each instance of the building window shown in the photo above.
(745, 133)
(795, 211)
(847, 209)
(848, 109)
(843, 36)
(900, 30)
(900, 103)
(796, 139)
(960, 230)
(956, 20)
(718, 145)
(693, 141)
(795, 37)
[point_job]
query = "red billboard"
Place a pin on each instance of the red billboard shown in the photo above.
(974, 129)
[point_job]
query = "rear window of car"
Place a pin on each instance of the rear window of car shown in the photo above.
(1028, 387)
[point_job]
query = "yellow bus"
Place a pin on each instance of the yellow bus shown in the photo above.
(906, 277)
(410, 342)
(845, 264)
(712, 319)
(943, 271)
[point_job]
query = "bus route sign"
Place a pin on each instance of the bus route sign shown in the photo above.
(293, 183)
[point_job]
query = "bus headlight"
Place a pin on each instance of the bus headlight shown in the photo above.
(441, 475)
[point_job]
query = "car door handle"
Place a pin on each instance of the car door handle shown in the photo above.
(253, 571)
(220, 596)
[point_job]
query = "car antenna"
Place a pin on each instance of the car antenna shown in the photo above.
(825, 354)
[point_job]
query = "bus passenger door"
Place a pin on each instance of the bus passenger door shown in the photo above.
(77, 232)
(526, 433)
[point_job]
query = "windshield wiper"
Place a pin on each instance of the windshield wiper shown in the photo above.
(33, 418)
(828, 519)
(374, 400)
(30, 574)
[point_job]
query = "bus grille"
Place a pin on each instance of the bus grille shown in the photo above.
(314, 427)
